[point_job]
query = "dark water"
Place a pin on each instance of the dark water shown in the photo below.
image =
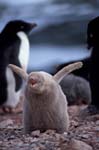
(61, 32)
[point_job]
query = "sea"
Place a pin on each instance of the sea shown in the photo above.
(61, 33)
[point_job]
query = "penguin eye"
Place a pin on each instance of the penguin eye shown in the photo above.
(91, 35)
(22, 27)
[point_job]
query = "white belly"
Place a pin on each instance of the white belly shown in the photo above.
(24, 49)
(13, 97)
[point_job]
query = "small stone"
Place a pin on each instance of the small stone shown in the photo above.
(36, 133)
(1, 142)
(6, 123)
(11, 137)
(65, 133)
(26, 144)
(20, 144)
(97, 122)
(74, 123)
(37, 148)
(50, 132)
(85, 136)
(96, 128)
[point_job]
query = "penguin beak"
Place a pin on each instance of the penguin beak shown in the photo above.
(33, 25)
(32, 82)
(30, 27)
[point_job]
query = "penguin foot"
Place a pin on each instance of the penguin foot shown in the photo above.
(7, 109)
(10, 109)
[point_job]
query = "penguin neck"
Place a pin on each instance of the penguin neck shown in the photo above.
(24, 49)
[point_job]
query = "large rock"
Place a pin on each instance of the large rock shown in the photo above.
(78, 145)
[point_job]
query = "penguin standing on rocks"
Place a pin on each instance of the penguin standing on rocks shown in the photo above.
(45, 105)
(14, 48)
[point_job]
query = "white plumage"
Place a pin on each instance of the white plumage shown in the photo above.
(24, 49)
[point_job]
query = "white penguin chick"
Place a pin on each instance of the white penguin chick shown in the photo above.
(45, 105)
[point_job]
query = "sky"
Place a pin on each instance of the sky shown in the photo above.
(18, 2)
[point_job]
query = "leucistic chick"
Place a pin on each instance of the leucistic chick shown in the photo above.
(45, 105)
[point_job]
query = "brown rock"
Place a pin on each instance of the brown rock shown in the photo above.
(78, 145)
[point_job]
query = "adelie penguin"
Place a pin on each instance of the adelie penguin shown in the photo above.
(93, 44)
(14, 48)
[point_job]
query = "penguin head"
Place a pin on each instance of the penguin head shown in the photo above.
(15, 26)
(93, 33)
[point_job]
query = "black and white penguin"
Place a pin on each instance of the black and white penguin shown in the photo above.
(93, 45)
(14, 48)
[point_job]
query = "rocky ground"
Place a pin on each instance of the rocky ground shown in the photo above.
(83, 134)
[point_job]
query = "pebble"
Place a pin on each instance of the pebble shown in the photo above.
(36, 133)
(6, 123)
